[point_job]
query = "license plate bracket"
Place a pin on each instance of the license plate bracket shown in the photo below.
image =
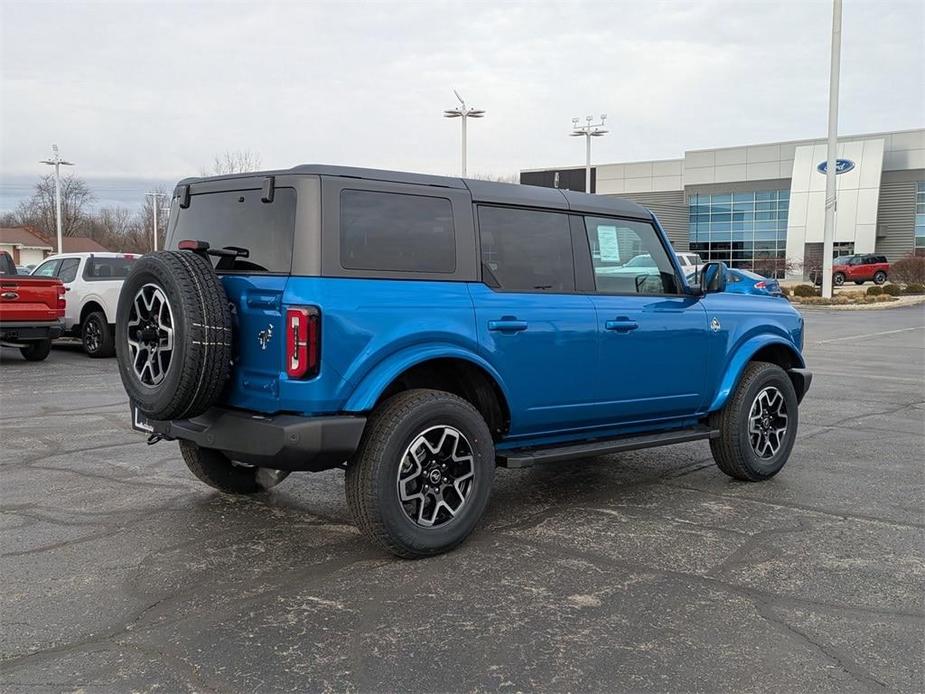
(140, 421)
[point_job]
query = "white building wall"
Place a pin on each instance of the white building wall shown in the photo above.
(858, 197)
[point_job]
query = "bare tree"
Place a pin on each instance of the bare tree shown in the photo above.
(503, 178)
(230, 162)
(39, 210)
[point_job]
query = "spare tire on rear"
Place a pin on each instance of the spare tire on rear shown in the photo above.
(173, 335)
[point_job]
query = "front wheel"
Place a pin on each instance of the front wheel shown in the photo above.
(758, 425)
(36, 351)
(97, 337)
(422, 476)
(218, 471)
(879, 277)
(838, 279)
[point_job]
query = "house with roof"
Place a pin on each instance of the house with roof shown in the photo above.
(29, 246)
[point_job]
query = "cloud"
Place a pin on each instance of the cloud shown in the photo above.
(155, 89)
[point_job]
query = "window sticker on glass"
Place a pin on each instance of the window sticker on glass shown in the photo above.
(608, 244)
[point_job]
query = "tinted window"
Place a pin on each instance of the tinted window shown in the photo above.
(526, 250)
(239, 218)
(68, 270)
(628, 258)
(103, 268)
(47, 269)
(396, 232)
(6, 264)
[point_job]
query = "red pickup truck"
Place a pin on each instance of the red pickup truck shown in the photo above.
(31, 310)
(858, 269)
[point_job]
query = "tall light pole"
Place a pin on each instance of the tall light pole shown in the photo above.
(464, 112)
(828, 233)
(588, 131)
(155, 196)
(57, 162)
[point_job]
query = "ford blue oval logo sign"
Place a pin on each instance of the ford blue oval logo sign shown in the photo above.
(841, 166)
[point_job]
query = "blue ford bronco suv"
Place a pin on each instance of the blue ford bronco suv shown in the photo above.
(417, 331)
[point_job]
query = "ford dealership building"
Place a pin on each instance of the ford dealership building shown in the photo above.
(763, 206)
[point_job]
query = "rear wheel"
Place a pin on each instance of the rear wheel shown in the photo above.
(36, 351)
(879, 277)
(758, 425)
(96, 335)
(422, 476)
(220, 472)
(838, 279)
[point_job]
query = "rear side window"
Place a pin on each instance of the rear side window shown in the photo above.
(104, 268)
(526, 250)
(396, 232)
(239, 218)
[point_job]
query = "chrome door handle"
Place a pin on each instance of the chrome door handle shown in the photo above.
(507, 325)
(621, 325)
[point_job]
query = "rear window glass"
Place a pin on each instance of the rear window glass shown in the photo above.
(396, 232)
(239, 218)
(106, 268)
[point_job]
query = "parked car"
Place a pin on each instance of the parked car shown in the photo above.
(418, 330)
(31, 310)
(689, 262)
(740, 281)
(858, 269)
(23, 270)
(93, 282)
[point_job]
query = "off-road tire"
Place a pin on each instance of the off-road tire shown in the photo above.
(373, 472)
(202, 352)
(36, 351)
(732, 450)
(106, 345)
(879, 277)
(838, 279)
(216, 469)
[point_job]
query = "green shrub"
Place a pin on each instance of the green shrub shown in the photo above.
(874, 291)
(908, 270)
(805, 290)
(914, 289)
(891, 289)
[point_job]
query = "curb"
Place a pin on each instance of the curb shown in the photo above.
(902, 303)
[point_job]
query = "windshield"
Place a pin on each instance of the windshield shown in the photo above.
(842, 260)
(239, 218)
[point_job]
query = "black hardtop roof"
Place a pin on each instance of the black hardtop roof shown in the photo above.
(481, 191)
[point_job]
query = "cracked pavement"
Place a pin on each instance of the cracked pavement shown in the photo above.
(644, 571)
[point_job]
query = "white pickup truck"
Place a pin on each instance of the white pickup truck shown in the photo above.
(92, 282)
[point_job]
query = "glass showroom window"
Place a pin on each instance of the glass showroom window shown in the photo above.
(744, 230)
(920, 218)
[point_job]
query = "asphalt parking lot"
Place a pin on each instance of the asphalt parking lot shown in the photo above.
(645, 571)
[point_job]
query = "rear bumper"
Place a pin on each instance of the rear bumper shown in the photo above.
(802, 380)
(283, 442)
(23, 331)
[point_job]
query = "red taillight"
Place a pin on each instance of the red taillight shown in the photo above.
(760, 285)
(303, 341)
(62, 302)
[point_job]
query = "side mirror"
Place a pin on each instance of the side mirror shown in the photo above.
(713, 278)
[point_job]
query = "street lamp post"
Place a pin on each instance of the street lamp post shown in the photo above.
(155, 196)
(464, 112)
(828, 232)
(588, 131)
(57, 162)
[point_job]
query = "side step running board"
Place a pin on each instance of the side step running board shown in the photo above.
(525, 457)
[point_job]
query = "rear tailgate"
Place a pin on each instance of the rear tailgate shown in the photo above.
(239, 213)
(25, 299)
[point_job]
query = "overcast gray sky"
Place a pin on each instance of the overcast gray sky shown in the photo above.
(154, 89)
